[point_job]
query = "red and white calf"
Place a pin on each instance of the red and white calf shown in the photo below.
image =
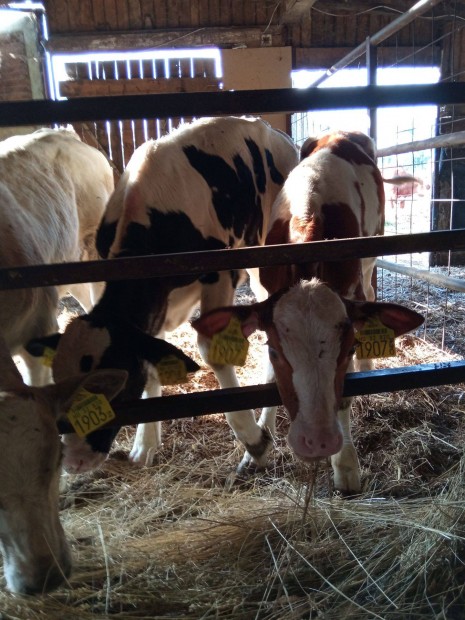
(36, 556)
(315, 309)
(53, 191)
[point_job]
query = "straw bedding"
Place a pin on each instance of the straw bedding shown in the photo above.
(185, 539)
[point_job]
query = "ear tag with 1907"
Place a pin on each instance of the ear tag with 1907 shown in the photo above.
(375, 340)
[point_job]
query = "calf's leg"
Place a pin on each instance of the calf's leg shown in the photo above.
(345, 463)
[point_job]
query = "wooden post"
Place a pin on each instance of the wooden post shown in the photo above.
(448, 208)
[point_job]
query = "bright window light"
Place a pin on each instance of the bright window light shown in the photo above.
(59, 61)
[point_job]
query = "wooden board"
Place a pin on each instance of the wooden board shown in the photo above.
(97, 88)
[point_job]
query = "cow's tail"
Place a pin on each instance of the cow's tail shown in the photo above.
(403, 178)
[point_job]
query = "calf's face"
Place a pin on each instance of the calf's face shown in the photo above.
(311, 343)
(35, 552)
(311, 340)
(91, 343)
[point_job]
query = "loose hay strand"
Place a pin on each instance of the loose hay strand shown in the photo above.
(321, 576)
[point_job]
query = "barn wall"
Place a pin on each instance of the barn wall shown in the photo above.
(20, 64)
(95, 15)
(245, 69)
(328, 25)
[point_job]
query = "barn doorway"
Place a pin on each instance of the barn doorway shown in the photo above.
(408, 209)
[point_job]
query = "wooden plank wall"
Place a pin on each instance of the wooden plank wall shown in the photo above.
(114, 15)
(330, 24)
(119, 139)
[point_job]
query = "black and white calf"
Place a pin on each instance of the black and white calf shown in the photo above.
(208, 185)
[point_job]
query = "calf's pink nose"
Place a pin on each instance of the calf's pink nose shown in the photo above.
(316, 444)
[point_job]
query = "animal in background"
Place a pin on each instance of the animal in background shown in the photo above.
(312, 312)
(404, 186)
(208, 185)
(53, 192)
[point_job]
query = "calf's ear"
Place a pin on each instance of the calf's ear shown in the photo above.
(36, 347)
(217, 320)
(308, 147)
(155, 349)
(398, 318)
(105, 381)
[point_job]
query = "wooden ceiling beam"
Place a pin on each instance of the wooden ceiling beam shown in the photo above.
(182, 38)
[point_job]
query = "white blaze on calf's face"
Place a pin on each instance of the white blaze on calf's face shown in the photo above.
(80, 349)
(311, 331)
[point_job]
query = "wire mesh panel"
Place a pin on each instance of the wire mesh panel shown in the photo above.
(424, 143)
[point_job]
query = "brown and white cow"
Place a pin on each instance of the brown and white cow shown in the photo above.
(36, 555)
(53, 192)
(315, 309)
(208, 185)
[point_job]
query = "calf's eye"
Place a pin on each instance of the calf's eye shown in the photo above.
(86, 363)
(273, 353)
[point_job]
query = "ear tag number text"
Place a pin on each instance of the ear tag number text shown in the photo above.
(47, 357)
(171, 370)
(229, 346)
(375, 340)
(89, 412)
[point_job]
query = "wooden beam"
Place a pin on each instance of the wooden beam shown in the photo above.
(438, 279)
(223, 103)
(295, 11)
(180, 38)
(148, 86)
(349, 8)
(444, 140)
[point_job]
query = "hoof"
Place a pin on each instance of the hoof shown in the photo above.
(347, 494)
(256, 454)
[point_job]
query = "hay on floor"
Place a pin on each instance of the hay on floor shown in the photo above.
(175, 541)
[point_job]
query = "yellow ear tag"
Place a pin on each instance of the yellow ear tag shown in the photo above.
(89, 412)
(229, 346)
(375, 340)
(171, 370)
(47, 357)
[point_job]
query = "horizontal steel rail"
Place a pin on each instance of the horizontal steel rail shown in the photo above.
(196, 263)
(223, 103)
(213, 401)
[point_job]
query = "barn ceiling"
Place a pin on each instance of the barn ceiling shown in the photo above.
(331, 25)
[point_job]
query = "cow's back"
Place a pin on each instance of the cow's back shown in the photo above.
(53, 191)
(60, 186)
(335, 192)
(337, 183)
(219, 175)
